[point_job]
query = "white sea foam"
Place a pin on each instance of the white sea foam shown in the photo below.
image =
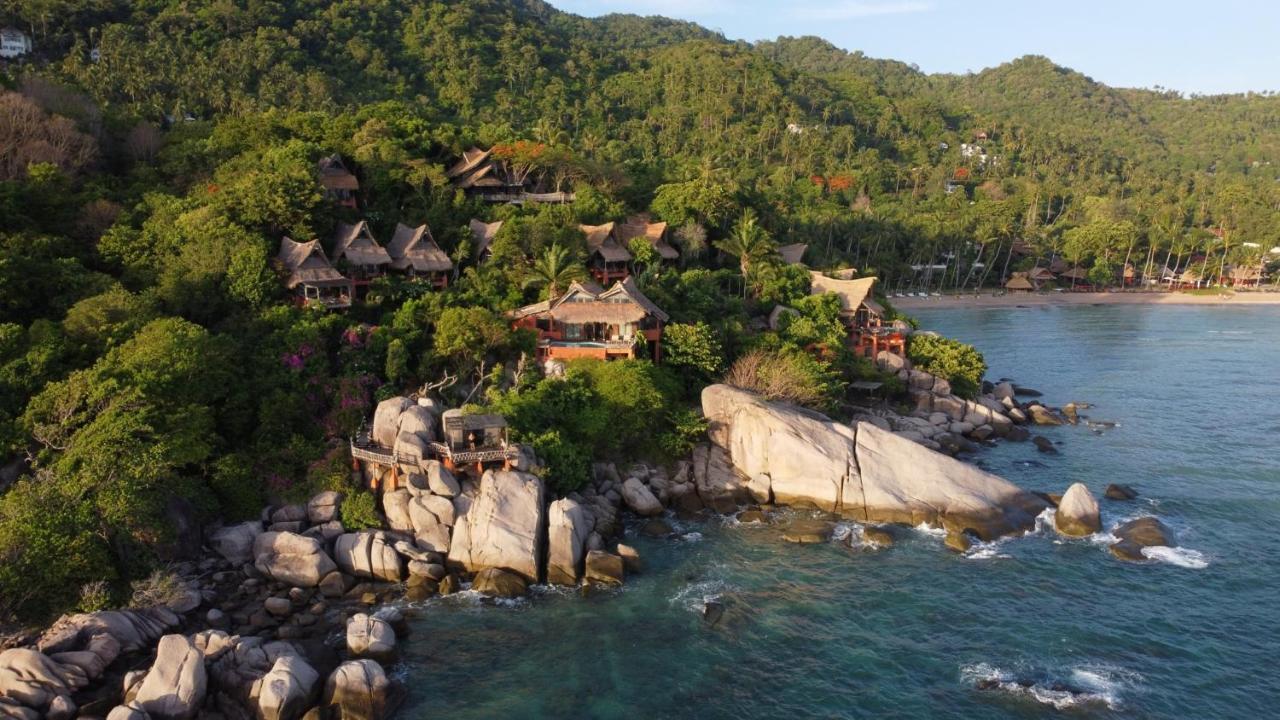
(1086, 685)
(986, 550)
(695, 596)
(930, 530)
(1180, 556)
(691, 537)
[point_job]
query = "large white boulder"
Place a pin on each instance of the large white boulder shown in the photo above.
(235, 542)
(285, 692)
(31, 679)
(175, 685)
(568, 525)
(371, 636)
(639, 498)
(291, 558)
(386, 420)
(357, 690)
(865, 472)
(419, 421)
(503, 527)
(806, 455)
(369, 555)
(1078, 514)
(323, 507)
(108, 633)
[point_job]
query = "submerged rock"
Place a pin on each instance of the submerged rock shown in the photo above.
(604, 567)
(496, 582)
(1078, 513)
(1138, 534)
(1117, 491)
(1044, 445)
(808, 532)
(877, 536)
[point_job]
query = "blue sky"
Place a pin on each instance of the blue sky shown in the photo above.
(1186, 45)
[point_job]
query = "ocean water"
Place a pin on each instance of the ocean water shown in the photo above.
(1028, 627)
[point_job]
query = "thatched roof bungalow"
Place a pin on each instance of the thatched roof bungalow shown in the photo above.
(587, 321)
(310, 276)
(415, 252)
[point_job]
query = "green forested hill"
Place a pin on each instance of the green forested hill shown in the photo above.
(153, 154)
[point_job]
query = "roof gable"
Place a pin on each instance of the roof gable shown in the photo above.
(852, 293)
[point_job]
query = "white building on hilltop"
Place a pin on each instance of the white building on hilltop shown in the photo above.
(14, 43)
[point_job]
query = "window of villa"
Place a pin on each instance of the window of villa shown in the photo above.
(573, 331)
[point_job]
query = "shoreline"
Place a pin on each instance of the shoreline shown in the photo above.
(987, 300)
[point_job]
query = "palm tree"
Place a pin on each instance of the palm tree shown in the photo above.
(749, 242)
(555, 268)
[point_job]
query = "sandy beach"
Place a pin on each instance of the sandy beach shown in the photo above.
(987, 300)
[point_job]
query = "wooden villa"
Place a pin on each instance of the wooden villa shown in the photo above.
(491, 179)
(862, 315)
(357, 252)
(590, 322)
(414, 252)
(340, 185)
(311, 277)
(473, 441)
(1077, 276)
(1241, 276)
(1020, 283)
(793, 254)
(483, 234)
(608, 260)
(1041, 275)
(654, 233)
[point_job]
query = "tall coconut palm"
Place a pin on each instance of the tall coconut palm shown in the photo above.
(555, 268)
(749, 242)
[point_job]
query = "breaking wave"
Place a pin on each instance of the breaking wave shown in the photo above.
(1083, 686)
(1180, 556)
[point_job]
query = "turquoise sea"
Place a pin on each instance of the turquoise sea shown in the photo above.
(1052, 628)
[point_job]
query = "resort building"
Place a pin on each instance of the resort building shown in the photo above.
(311, 277)
(491, 179)
(654, 233)
(590, 322)
(608, 260)
(340, 185)
(793, 254)
(1245, 276)
(1020, 283)
(1077, 276)
(356, 251)
(14, 43)
(1041, 275)
(862, 315)
(483, 234)
(414, 252)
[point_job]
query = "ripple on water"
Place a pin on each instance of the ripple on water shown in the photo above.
(1077, 687)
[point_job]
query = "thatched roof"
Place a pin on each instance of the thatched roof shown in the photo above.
(356, 245)
(1019, 281)
(484, 234)
(1240, 273)
(1058, 265)
(601, 241)
(415, 248)
(655, 233)
(1076, 273)
(471, 159)
(334, 175)
(852, 293)
(587, 303)
(1041, 274)
(306, 264)
(793, 254)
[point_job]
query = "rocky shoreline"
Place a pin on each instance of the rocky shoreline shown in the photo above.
(296, 616)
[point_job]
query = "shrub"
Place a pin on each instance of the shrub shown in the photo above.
(161, 587)
(688, 428)
(959, 363)
(360, 511)
(566, 464)
(236, 487)
(94, 596)
(788, 375)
